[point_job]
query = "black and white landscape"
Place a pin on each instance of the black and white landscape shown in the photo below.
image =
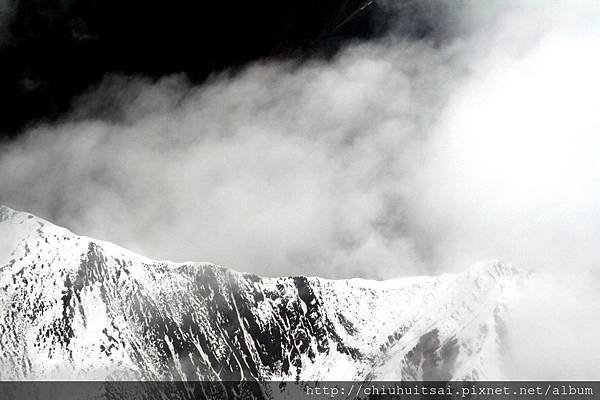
(331, 182)
(78, 308)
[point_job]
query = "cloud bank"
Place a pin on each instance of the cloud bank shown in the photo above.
(394, 158)
(397, 157)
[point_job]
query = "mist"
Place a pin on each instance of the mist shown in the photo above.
(397, 157)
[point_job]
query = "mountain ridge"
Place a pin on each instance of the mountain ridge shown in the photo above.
(79, 308)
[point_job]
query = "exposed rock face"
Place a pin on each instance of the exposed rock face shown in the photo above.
(74, 307)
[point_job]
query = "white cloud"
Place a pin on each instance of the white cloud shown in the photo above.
(392, 159)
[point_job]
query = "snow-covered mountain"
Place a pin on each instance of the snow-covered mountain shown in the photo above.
(72, 307)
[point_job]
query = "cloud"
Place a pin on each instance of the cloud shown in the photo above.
(411, 155)
(552, 329)
(396, 157)
(281, 169)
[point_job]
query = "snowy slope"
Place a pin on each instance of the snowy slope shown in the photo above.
(72, 307)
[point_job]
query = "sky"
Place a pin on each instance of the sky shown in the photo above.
(396, 156)
(54, 50)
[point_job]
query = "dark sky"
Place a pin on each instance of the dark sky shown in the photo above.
(51, 51)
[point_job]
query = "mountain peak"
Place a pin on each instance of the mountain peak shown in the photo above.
(79, 308)
(7, 213)
(495, 268)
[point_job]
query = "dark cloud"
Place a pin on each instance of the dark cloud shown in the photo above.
(54, 50)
